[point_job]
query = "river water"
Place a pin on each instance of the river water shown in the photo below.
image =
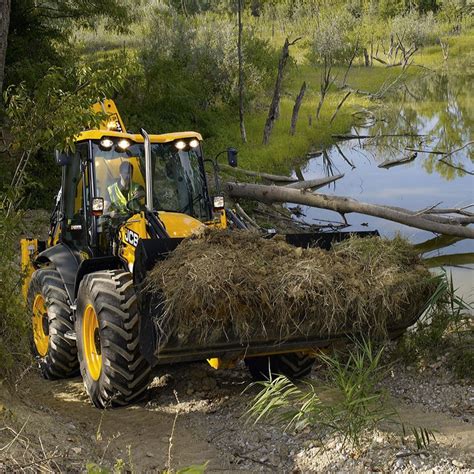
(437, 111)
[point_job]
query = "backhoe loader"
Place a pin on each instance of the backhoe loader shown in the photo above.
(84, 289)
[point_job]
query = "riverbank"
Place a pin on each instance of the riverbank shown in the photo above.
(285, 151)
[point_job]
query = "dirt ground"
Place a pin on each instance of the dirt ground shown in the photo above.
(50, 426)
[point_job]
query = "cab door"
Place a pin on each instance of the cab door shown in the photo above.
(75, 201)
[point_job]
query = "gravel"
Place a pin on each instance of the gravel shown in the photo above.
(267, 447)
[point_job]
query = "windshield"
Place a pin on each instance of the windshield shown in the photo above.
(177, 177)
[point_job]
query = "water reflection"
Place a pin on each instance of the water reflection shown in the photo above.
(433, 113)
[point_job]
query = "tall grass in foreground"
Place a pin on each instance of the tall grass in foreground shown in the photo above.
(446, 330)
(350, 404)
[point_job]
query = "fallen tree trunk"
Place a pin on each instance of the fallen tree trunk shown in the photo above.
(270, 177)
(343, 205)
(314, 183)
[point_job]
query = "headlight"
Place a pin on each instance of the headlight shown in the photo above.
(106, 143)
(194, 143)
(123, 144)
(180, 145)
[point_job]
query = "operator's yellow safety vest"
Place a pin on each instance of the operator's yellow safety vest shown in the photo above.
(116, 196)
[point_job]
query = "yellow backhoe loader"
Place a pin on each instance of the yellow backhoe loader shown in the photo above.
(125, 202)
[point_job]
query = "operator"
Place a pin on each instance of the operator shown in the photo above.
(124, 191)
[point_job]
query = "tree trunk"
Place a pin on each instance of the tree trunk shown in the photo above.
(296, 108)
(366, 58)
(5, 6)
(274, 106)
(243, 132)
(344, 205)
(325, 83)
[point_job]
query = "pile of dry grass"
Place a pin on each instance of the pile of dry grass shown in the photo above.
(237, 286)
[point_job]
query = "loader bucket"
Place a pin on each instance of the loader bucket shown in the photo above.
(156, 350)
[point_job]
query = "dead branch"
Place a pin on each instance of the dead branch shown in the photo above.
(245, 216)
(343, 205)
(339, 106)
(381, 61)
(460, 168)
(274, 106)
(418, 150)
(296, 108)
(351, 136)
(314, 184)
(399, 161)
(344, 157)
(442, 219)
(448, 154)
(269, 177)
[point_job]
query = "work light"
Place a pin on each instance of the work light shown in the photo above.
(123, 144)
(219, 202)
(106, 143)
(97, 206)
(194, 143)
(180, 145)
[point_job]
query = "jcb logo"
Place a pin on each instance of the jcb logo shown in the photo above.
(131, 237)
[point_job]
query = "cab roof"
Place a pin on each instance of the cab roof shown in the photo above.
(136, 137)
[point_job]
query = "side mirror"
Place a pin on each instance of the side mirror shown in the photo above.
(62, 159)
(232, 157)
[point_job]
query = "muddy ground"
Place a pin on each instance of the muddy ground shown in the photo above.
(50, 426)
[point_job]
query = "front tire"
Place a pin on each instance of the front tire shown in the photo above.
(107, 328)
(295, 365)
(51, 320)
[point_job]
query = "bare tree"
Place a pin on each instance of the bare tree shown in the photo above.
(296, 108)
(5, 6)
(275, 104)
(243, 132)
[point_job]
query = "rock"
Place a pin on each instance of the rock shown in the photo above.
(399, 463)
(77, 450)
(284, 451)
(150, 455)
(457, 463)
(416, 463)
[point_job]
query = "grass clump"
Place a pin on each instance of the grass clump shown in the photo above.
(444, 334)
(349, 405)
(237, 286)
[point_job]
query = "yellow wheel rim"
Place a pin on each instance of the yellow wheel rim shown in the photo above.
(40, 325)
(91, 342)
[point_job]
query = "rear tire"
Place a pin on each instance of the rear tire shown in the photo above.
(295, 365)
(51, 315)
(107, 328)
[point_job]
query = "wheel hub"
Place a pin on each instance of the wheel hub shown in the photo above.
(91, 342)
(40, 325)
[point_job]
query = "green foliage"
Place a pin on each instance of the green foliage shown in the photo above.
(13, 321)
(40, 33)
(423, 436)
(445, 331)
(351, 404)
(332, 39)
(60, 106)
(415, 29)
(188, 71)
(52, 115)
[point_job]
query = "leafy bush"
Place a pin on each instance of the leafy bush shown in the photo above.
(415, 29)
(188, 68)
(13, 322)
